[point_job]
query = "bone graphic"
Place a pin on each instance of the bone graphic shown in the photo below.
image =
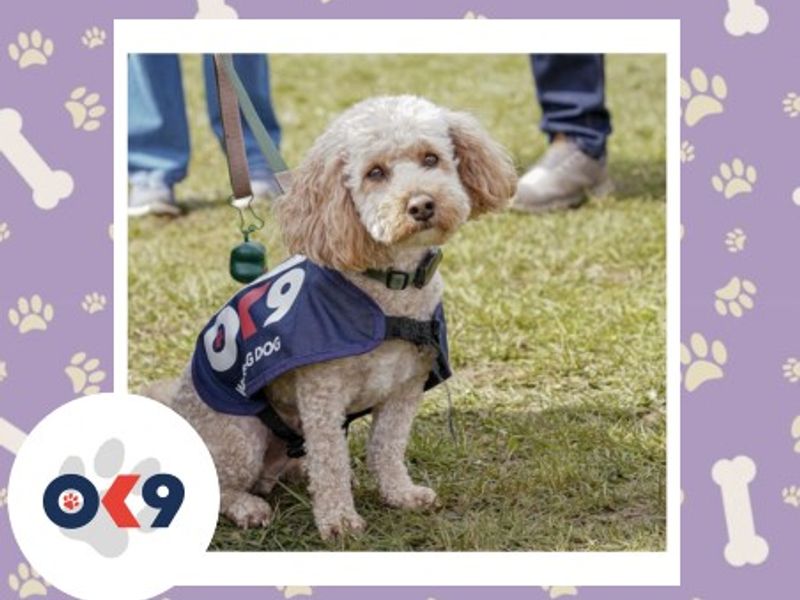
(745, 16)
(11, 437)
(744, 545)
(215, 9)
(49, 187)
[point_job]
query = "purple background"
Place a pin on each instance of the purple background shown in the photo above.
(66, 253)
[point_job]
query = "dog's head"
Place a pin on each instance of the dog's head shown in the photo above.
(392, 172)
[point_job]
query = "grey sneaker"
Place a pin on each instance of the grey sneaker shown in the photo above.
(151, 199)
(561, 179)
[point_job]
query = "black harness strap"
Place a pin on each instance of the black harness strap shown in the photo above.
(294, 441)
(420, 333)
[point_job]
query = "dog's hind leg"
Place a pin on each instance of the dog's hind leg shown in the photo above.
(238, 449)
(277, 465)
(244, 509)
(237, 445)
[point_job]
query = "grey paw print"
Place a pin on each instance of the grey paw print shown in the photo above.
(102, 533)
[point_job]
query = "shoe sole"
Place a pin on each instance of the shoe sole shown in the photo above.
(154, 208)
(601, 190)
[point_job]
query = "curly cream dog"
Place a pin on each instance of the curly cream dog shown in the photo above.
(389, 179)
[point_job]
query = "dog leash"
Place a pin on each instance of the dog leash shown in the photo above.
(248, 260)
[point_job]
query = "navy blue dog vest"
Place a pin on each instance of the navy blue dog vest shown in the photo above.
(297, 314)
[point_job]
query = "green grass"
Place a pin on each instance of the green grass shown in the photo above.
(557, 322)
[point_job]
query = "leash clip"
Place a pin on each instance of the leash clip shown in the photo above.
(244, 205)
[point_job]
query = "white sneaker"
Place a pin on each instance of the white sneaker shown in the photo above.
(158, 199)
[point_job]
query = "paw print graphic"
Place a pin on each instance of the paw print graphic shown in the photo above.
(217, 9)
(791, 370)
(84, 374)
(687, 152)
(702, 102)
(3, 497)
(796, 433)
(31, 49)
(791, 105)
(293, 591)
(93, 37)
(735, 297)
(557, 591)
(31, 315)
(26, 582)
(5, 232)
(791, 495)
(700, 367)
(84, 109)
(734, 179)
(71, 501)
(3, 371)
(101, 533)
(735, 240)
(94, 302)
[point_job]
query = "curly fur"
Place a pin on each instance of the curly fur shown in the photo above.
(340, 217)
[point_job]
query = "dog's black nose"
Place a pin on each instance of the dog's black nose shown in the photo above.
(421, 208)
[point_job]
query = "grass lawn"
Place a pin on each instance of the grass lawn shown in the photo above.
(557, 322)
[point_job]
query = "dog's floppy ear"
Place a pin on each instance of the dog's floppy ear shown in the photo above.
(318, 218)
(484, 166)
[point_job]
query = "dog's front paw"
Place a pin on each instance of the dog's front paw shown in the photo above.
(413, 497)
(248, 511)
(339, 524)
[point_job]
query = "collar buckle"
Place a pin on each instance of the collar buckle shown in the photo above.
(400, 280)
(397, 280)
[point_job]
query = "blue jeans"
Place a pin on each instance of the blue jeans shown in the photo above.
(158, 132)
(571, 91)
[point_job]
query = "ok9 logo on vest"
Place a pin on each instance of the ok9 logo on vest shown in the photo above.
(278, 296)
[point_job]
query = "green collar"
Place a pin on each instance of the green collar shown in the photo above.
(400, 280)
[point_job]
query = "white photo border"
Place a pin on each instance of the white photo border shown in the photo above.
(489, 36)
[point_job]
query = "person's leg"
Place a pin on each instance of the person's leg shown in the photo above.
(571, 91)
(158, 134)
(253, 70)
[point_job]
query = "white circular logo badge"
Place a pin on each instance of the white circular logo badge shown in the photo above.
(112, 496)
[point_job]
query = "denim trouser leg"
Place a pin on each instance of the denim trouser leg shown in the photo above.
(253, 70)
(158, 134)
(571, 91)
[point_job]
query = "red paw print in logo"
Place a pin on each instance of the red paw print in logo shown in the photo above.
(71, 501)
(219, 339)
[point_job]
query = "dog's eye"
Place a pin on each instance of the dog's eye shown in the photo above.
(430, 160)
(376, 173)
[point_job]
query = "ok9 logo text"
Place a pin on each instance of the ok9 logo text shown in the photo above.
(279, 296)
(72, 501)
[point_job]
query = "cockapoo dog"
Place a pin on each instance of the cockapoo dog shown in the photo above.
(389, 180)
